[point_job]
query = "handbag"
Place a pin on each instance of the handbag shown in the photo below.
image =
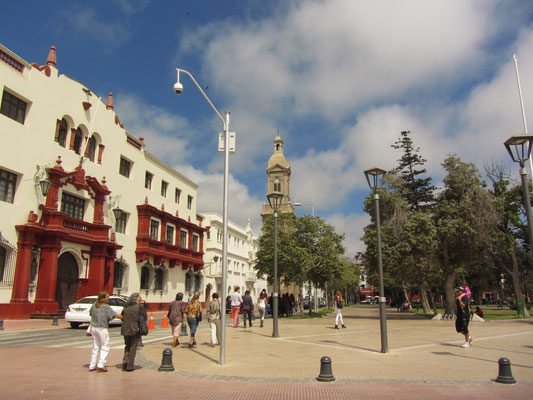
(199, 314)
(143, 326)
(339, 304)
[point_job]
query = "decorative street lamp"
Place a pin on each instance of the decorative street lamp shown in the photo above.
(274, 199)
(373, 176)
(519, 148)
(45, 186)
(178, 89)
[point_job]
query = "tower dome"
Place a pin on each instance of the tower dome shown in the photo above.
(278, 158)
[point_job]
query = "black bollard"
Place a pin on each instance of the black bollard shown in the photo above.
(326, 375)
(166, 363)
(183, 331)
(54, 321)
(504, 371)
(1, 324)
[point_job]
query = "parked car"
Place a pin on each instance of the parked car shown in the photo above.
(368, 300)
(78, 313)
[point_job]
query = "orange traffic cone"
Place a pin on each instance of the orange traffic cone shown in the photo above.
(231, 315)
(151, 323)
(165, 322)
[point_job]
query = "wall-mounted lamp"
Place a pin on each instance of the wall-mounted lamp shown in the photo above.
(117, 212)
(45, 186)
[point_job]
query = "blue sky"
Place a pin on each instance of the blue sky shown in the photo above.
(340, 79)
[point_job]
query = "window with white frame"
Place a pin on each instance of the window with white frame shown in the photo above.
(195, 242)
(13, 107)
(177, 195)
(154, 229)
(73, 206)
(164, 187)
(145, 278)
(148, 180)
(125, 167)
(189, 202)
(8, 182)
(183, 238)
(170, 234)
(159, 279)
(120, 223)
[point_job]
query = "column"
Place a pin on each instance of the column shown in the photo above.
(47, 281)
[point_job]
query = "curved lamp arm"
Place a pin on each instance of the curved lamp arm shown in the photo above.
(203, 93)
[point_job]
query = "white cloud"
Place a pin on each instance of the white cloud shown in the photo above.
(352, 227)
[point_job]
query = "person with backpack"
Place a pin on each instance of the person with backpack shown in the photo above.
(339, 303)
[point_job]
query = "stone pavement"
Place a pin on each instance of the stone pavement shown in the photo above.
(425, 361)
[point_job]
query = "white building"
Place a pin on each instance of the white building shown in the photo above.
(242, 246)
(69, 244)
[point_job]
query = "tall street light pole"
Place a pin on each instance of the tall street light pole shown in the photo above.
(373, 176)
(274, 199)
(178, 89)
(315, 301)
(519, 148)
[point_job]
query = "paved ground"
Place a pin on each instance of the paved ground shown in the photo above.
(425, 360)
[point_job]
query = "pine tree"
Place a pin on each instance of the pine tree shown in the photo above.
(417, 191)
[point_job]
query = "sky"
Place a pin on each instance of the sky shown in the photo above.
(339, 80)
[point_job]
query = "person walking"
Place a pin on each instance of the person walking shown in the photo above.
(133, 312)
(261, 307)
(101, 313)
(194, 315)
(213, 312)
(176, 310)
(339, 303)
(463, 316)
(236, 301)
(247, 308)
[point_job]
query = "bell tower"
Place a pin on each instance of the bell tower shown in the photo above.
(278, 180)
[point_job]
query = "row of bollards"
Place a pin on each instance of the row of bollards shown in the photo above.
(326, 373)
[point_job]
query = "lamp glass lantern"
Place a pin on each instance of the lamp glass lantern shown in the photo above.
(117, 212)
(45, 186)
(519, 147)
(374, 177)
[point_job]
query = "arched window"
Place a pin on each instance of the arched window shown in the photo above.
(78, 137)
(3, 259)
(62, 134)
(118, 275)
(197, 283)
(188, 281)
(145, 278)
(277, 186)
(159, 278)
(91, 148)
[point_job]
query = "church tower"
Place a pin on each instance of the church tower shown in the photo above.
(278, 167)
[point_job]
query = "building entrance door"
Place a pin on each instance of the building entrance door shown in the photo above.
(67, 278)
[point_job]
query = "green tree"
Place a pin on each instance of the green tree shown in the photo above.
(511, 236)
(464, 217)
(417, 191)
(309, 250)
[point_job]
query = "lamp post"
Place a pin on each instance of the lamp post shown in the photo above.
(178, 89)
(373, 177)
(315, 301)
(519, 148)
(274, 199)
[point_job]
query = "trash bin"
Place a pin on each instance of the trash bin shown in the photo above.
(520, 309)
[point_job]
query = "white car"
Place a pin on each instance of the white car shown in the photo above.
(366, 301)
(78, 313)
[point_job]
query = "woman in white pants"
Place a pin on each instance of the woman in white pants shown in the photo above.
(213, 317)
(339, 303)
(261, 307)
(101, 313)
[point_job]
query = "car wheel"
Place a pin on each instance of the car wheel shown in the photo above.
(75, 325)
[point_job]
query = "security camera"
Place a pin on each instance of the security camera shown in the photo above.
(178, 88)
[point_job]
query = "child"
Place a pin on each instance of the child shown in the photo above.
(467, 291)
